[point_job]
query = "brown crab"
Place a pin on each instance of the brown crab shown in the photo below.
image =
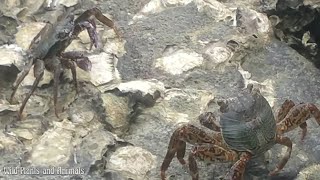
(46, 51)
(244, 133)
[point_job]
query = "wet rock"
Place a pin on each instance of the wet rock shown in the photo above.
(179, 62)
(54, 147)
(132, 162)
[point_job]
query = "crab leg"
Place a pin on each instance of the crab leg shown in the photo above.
(38, 73)
(70, 65)
(297, 116)
(88, 16)
(286, 142)
(82, 61)
(20, 78)
(210, 153)
(237, 170)
(91, 31)
(38, 37)
(187, 133)
(69, 58)
(57, 72)
(284, 109)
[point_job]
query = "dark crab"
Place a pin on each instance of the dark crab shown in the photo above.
(247, 129)
(46, 51)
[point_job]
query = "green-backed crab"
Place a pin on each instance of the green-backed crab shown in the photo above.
(46, 51)
(247, 129)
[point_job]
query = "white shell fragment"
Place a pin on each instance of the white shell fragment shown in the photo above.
(11, 55)
(179, 62)
(218, 53)
(103, 69)
(215, 9)
(146, 87)
(133, 162)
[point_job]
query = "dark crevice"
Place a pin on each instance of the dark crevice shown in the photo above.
(295, 20)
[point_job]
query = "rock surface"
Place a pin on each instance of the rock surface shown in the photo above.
(175, 60)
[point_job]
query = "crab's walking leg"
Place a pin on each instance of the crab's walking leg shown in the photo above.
(38, 73)
(38, 37)
(20, 78)
(70, 65)
(303, 126)
(69, 58)
(209, 153)
(237, 170)
(297, 116)
(57, 72)
(286, 142)
(193, 167)
(283, 112)
(284, 109)
(78, 57)
(187, 133)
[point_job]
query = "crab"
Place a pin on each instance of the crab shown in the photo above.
(246, 130)
(46, 50)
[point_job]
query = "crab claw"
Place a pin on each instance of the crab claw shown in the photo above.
(84, 63)
(95, 12)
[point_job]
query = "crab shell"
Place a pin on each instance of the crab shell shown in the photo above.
(249, 124)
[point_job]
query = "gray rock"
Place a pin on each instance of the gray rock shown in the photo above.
(90, 152)
(133, 162)
(117, 111)
(29, 129)
(310, 172)
(54, 147)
